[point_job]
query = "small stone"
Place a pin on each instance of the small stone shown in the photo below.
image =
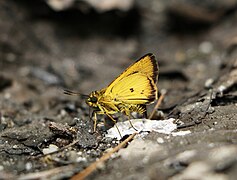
(160, 140)
(28, 166)
(205, 47)
(50, 149)
(209, 82)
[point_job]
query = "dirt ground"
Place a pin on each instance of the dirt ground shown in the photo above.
(48, 46)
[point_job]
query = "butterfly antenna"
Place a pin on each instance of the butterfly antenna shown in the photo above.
(71, 93)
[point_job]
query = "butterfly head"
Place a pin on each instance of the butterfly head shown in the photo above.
(92, 100)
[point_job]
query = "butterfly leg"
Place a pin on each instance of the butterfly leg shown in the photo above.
(106, 112)
(114, 123)
(127, 113)
(95, 120)
(126, 110)
(131, 123)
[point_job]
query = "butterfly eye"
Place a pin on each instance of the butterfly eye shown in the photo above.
(93, 99)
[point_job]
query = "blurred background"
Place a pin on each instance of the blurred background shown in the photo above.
(85, 44)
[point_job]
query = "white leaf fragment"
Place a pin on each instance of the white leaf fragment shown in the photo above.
(142, 125)
(181, 133)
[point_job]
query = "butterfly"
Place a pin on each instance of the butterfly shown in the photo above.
(129, 92)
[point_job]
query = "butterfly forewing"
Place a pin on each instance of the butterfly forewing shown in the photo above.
(146, 65)
(136, 88)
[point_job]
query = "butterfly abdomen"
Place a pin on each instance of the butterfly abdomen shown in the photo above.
(128, 108)
(137, 108)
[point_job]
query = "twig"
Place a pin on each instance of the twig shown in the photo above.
(48, 173)
(83, 174)
(209, 104)
(198, 121)
(61, 149)
(190, 124)
(157, 105)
